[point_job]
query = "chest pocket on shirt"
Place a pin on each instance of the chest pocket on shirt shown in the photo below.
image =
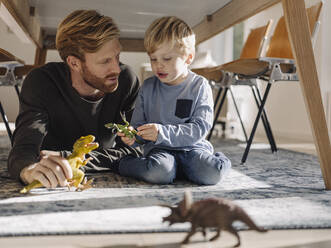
(183, 108)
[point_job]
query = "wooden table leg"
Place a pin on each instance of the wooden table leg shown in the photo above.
(298, 29)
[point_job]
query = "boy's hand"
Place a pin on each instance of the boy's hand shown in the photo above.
(126, 140)
(148, 132)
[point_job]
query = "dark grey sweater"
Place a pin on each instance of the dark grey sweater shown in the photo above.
(52, 116)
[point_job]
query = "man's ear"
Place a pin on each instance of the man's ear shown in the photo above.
(190, 58)
(74, 63)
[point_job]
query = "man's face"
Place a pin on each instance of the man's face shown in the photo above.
(101, 69)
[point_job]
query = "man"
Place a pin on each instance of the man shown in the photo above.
(61, 102)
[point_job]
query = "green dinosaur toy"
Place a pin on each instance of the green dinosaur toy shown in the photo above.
(124, 129)
(82, 146)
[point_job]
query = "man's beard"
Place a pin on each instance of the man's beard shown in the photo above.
(101, 84)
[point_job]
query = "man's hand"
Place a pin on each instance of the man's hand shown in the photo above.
(44, 153)
(50, 171)
(148, 132)
(127, 140)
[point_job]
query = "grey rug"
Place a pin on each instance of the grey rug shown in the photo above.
(279, 191)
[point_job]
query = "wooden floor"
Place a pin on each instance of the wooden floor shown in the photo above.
(317, 238)
(249, 239)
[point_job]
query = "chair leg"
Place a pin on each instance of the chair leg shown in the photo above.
(218, 111)
(264, 114)
(250, 140)
(218, 96)
(238, 113)
(265, 121)
(5, 120)
(17, 90)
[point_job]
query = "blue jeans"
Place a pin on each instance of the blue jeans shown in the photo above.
(163, 166)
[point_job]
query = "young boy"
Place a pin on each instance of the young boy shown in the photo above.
(173, 113)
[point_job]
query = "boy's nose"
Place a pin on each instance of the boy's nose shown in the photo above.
(159, 65)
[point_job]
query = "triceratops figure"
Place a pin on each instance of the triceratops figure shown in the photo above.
(216, 213)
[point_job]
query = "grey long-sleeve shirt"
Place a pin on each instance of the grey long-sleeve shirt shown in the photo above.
(52, 116)
(183, 112)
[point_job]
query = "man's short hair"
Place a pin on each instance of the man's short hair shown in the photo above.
(84, 31)
(169, 29)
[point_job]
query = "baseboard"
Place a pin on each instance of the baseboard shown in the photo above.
(234, 130)
(292, 136)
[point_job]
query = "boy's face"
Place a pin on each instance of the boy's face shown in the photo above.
(169, 64)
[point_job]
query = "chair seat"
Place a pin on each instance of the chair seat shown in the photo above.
(20, 70)
(7, 56)
(211, 73)
(250, 66)
(247, 66)
(24, 70)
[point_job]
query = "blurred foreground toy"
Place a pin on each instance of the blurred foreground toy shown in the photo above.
(216, 213)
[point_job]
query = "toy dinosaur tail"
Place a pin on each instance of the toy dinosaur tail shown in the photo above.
(244, 217)
(34, 184)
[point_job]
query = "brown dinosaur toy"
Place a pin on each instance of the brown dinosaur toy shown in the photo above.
(216, 213)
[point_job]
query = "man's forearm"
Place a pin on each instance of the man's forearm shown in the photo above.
(18, 159)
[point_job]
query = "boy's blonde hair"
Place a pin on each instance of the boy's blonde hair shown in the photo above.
(84, 31)
(170, 29)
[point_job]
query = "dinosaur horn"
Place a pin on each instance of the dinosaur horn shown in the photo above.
(188, 199)
(185, 205)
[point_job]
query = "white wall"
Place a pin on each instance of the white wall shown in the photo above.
(220, 47)
(324, 60)
(135, 60)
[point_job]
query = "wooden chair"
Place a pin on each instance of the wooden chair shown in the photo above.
(220, 79)
(12, 70)
(278, 65)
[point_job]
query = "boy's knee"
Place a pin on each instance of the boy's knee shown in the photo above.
(160, 171)
(158, 178)
(212, 175)
(226, 164)
(211, 170)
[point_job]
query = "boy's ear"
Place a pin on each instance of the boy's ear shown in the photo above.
(190, 58)
(74, 63)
